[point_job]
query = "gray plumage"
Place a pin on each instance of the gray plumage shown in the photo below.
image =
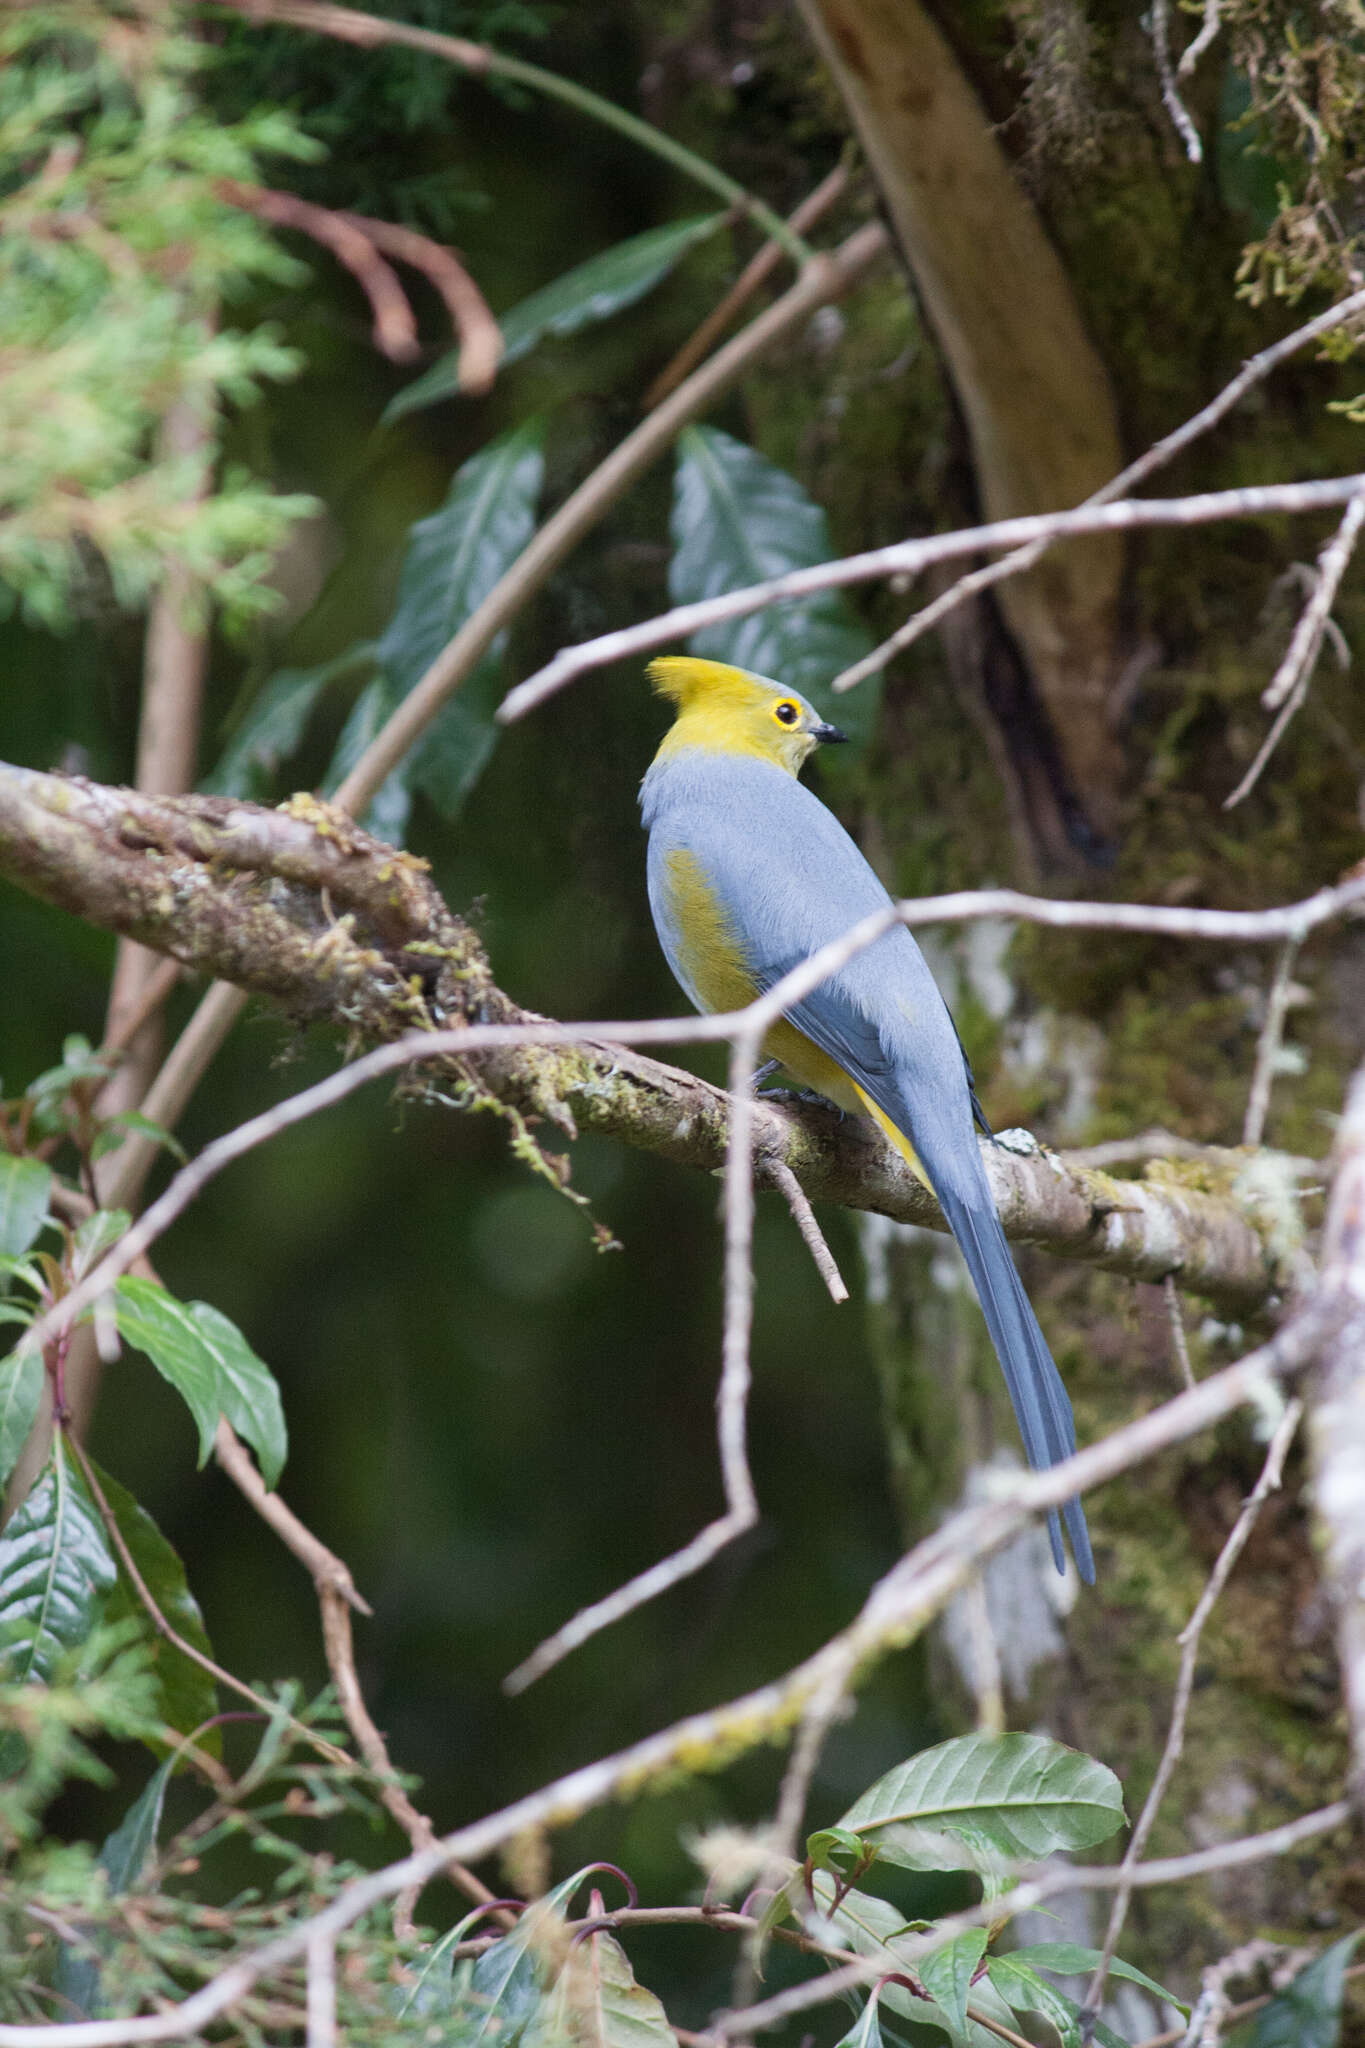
(787, 878)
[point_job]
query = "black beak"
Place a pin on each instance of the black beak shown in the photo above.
(828, 735)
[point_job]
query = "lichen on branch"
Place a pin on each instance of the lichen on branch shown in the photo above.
(303, 907)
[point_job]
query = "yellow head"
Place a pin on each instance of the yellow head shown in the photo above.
(725, 710)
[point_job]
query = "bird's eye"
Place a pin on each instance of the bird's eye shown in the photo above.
(786, 714)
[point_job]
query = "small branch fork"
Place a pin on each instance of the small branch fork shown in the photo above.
(1252, 372)
(357, 242)
(1288, 686)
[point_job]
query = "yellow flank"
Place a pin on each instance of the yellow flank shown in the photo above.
(711, 960)
(725, 710)
(897, 1137)
(708, 949)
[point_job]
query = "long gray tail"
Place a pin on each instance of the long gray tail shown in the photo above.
(1035, 1385)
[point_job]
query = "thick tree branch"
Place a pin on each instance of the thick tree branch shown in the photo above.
(301, 906)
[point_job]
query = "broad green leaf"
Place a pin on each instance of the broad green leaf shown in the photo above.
(56, 1575)
(443, 1980)
(1307, 2014)
(188, 1695)
(95, 1237)
(125, 1120)
(595, 290)
(274, 725)
(738, 519)
(504, 1989)
(866, 2031)
(947, 1974)
(1025, 1794)
(872, 1927)
(124, 1858)
(21, 1389)
(126, 1851)
(453, 561)
(25, 1185)
(1070, 1959)
(208, 1361)
(1022, 1988)
(596, 2003)
(390, 806)
(836, 1849)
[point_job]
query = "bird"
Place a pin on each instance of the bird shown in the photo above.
(748, 874)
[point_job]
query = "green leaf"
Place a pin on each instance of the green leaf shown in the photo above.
(25, 1185)
(595, 290)
(123, 1858)
(133, 1120)
(188, 1694)
(1307, 2014)
(1070, 1959)
(208, 1361)
(1027, 1795)
(873, 1927)
(866, 2031)
(1022, 1988)
(274, 725)
(738, 519)
(453, 561)
(126, 1851)
(21, 1389)
(389, 807)
(836, 1849)
(947, 1974)
(55, 1575)
(94, 1237)
(597, 2002)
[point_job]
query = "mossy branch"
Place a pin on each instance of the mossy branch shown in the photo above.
(301, 906)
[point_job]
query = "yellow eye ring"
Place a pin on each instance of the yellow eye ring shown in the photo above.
(786, 713)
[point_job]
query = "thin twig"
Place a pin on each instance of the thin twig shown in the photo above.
(911, 557)
(172, 1635)
(463, 1041)
(395, 324)
(1233, 2017)
(1159, 1144)
(732, 1400)
(1268, 1045)
(756, 271)
(789, 1187)
(1303, 649)
(1288, 686)
(480, 337)
(1212, 22)
(1189, 1640)
(1252, 372)
(1159, 28)
(322, 1992)
(1180, 1343)
(336, 1592)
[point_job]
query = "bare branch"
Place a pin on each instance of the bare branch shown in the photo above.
(756, 271)
(1337, 1421)
(789, 1187)
(1252, 372)
(395, 327)
(1268, 1045)
(116, 857)
(1159, 28)
(1208, 30)
(911, 558)
(1179, 1342)
(480, 337)
(1189, 1640)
